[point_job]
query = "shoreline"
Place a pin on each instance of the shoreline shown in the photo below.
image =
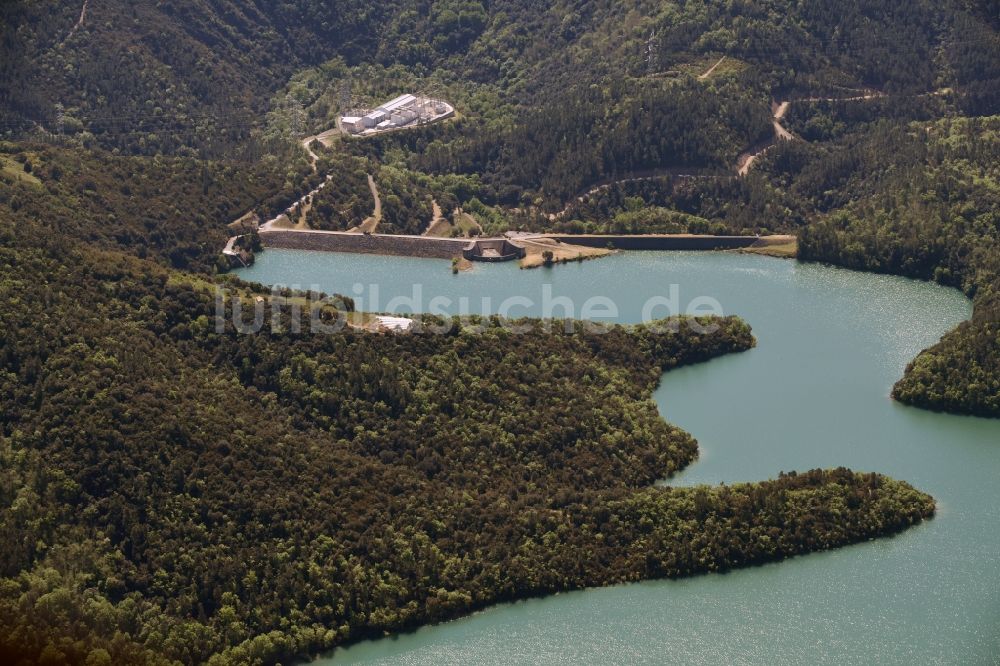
(449, 248)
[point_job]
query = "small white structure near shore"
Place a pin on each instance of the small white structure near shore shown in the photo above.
(403, 111)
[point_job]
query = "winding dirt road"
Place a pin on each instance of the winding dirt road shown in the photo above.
(637, 177)
(313, 157)
(78, 24)
(746, 161)
(711, 69)
(286, 214)
(439, 226)
(779, 114)
(779, 110)
(370, 225)
(323, 138)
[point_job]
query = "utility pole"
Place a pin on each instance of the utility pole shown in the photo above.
(60, 118)
(297, 120)
(651, 53)
(345, 97)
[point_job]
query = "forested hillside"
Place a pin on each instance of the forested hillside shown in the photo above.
(277, 494)
(164, 76)
(168, 77)
(926, 204)
(173, 493)
(170, 208)
(170, 492)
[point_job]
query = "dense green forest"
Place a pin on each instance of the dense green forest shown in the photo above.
(169, 208)
(926, 205)
(277, 494)
(171, 493)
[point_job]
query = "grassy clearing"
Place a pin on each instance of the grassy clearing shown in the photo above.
(193, 281)
(14, 169)
(729, 67)
(441, 228)
(248, 221)
(697, 68)
(468, 225)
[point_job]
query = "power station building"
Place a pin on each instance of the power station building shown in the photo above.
(403, 111)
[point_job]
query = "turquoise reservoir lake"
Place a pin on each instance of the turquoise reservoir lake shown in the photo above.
(815, 393)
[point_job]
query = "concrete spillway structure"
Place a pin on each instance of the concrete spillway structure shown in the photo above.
(494, 250)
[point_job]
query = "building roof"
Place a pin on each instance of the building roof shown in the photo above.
(350, 119)
(395, 323)
(402, 100)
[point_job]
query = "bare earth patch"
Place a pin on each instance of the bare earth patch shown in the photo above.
(439, 227)
(283, 223)
(785, 247)
(561, 252)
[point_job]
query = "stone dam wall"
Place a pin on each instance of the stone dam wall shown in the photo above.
(665, 242)
(449, 248)
(330, 241)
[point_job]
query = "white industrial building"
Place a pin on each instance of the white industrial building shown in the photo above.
(352, 124)
(394, 323)
(401, 102)
(374, 118)
(402, 111)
